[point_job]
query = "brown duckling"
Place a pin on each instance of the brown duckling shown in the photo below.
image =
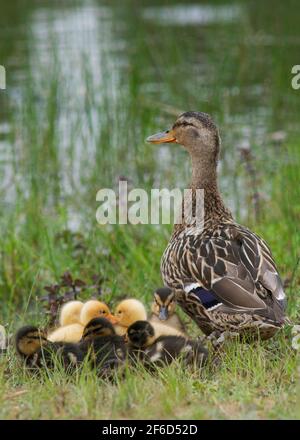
(105, 348)
(164, 309)
(33, 346)
(164, 349)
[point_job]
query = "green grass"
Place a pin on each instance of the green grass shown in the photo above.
(258, 381)
(68, 137)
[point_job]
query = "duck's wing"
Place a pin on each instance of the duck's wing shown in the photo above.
(238, 267)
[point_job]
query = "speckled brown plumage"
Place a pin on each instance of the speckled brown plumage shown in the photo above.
(224, 258)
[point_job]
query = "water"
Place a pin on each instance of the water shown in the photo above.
(87, 81)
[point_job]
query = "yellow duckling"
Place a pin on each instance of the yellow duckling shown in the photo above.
(70, 313)
(73, 332)
(127, 312)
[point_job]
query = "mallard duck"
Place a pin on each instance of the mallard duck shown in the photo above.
(131, 310)
(37, 352)
(164, 309)
(73, 332)
(106, 350)
(224, 274)
(164, 349)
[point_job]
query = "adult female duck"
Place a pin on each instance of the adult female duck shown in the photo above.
(224, 275)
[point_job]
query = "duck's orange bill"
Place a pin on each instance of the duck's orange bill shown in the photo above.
(162, 137)
(112, 318)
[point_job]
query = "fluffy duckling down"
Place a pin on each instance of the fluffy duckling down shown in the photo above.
(131, 310)
(105, 349)
(164, 349)
(70, 313)
(73, 332)
(127, 312)
(37, 352)
(163, 309)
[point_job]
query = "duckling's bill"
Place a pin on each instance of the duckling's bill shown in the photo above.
(167, 136)
(163, 313)
(112, 319)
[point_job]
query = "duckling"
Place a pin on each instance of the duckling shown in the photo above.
(70, 313)
(73, 332)
(28, 341)
(131, 310)
(141, 335)
(32, 345)
(95, 309)
(127, 312)
(164, 349)
(164, 330)
(164, 309)
(106, 349)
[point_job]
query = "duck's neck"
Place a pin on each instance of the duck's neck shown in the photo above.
(204, 176)
(204, 173)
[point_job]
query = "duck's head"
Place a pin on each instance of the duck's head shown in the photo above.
(70, 313)
(97, 328)
(196, 131)
(29, 339)
(128, 311)
(164, 304)
(95, 309)
(140, 334)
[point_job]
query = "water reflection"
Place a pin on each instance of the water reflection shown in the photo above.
(87, 81)
(183, 15)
